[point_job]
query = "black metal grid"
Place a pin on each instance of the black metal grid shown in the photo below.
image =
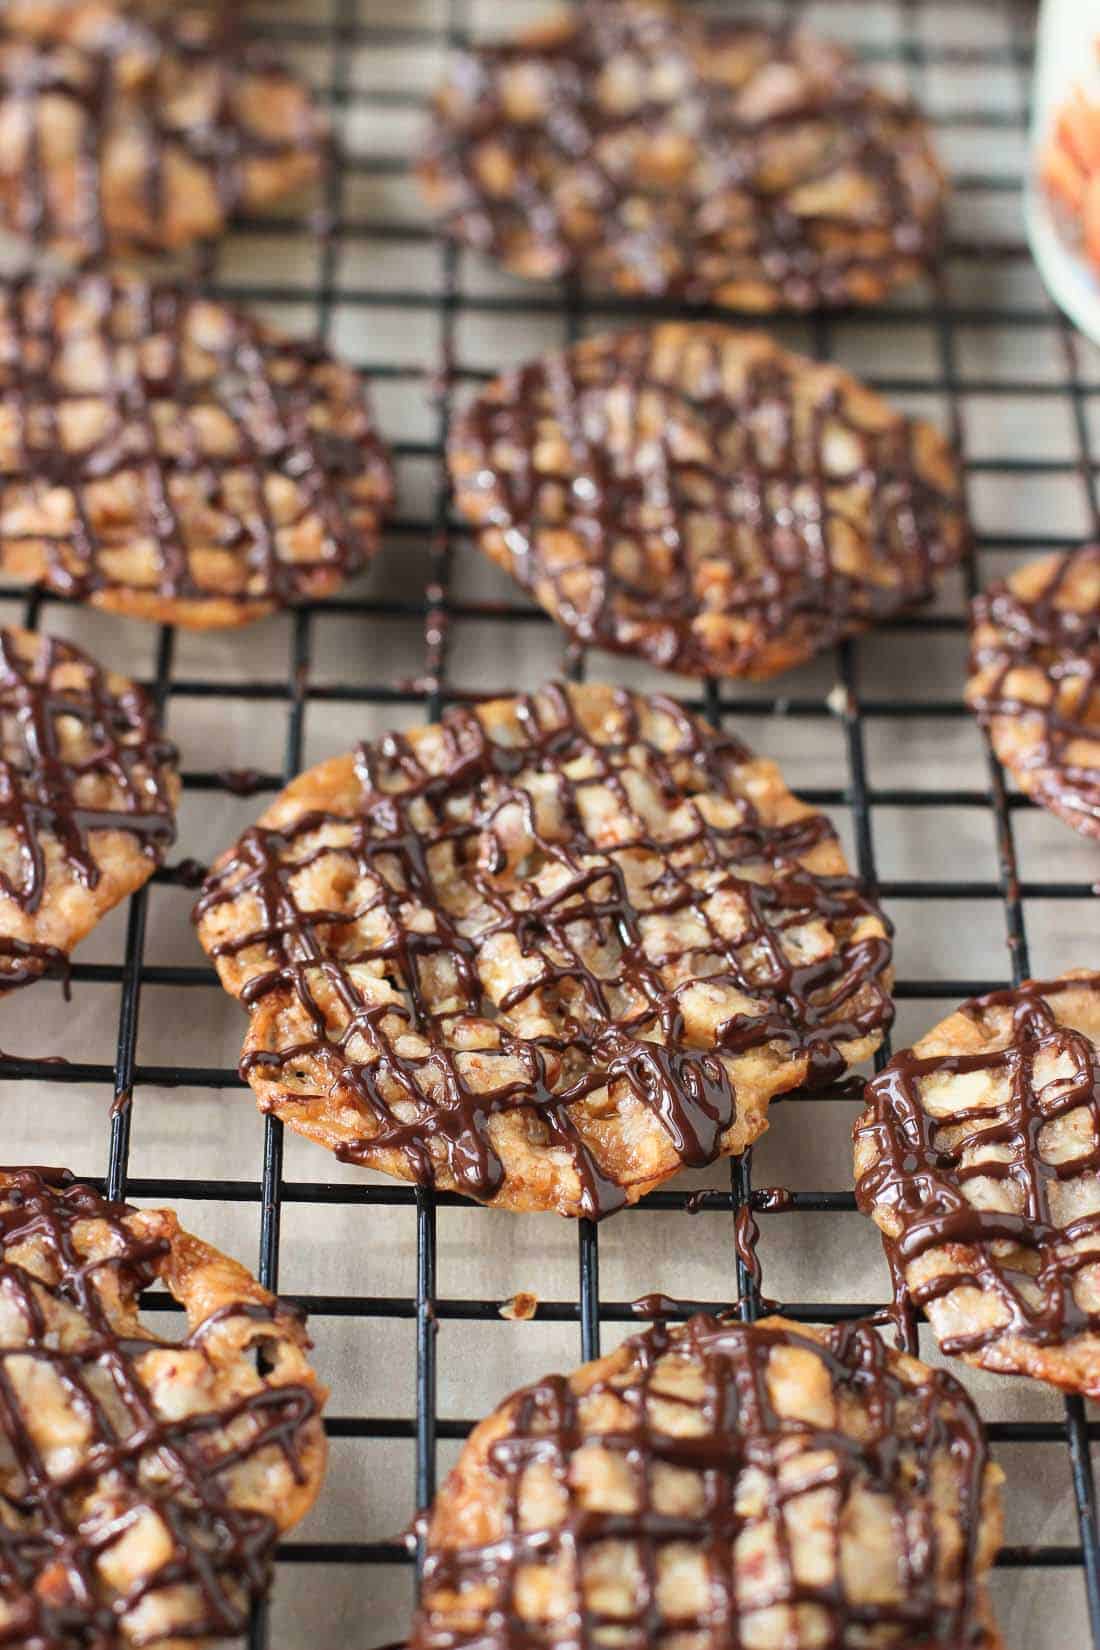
(332, 41)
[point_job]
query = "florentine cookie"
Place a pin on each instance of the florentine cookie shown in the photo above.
(762, 1485)
(88, 791)
(1035, 681)
(546, 953)
(122, 131)
(706, 499)
(655, 151)
(86, 21)
(174, 459)
(143, 1481)
(977, 1156)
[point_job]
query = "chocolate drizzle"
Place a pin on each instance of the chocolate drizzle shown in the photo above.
(61, 1521)
(667, 155)
(142, 128)
(709, 1503)
(1035, 659)
(703, 498)
(171, 450)
(927, 1170)
(78, 755)
(514, 896)
(22, 961)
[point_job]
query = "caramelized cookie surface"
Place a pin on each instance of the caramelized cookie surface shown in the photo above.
(545, 953)
(88, 791)
(1035, 681)
(761, 1485)
(653, 150)
(143, 1482)
(171, 458)
(706, 499)
(977, 1157)
(142, 127)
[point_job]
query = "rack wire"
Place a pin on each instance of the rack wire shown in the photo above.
(927, 45)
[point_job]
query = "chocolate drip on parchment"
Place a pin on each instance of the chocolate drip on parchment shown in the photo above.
(1063, 644)
(745, 1450)
(617, 1020)
(714, 528)
(924, 1164)
(622, 149)
(220, 1554)
(223, 439)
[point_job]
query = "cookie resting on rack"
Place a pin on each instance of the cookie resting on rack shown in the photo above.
(1035, 681)
(762, 1485)
(142, 129)
(84, 19)
(652, 150)
(143, 1481)
(977, 1157)
(546, 953)
(174, 459)
(703, 498)
(88, 791)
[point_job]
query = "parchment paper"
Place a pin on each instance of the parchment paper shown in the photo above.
(337, 1250)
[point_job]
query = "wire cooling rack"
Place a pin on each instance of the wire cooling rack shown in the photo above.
(983, 888)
